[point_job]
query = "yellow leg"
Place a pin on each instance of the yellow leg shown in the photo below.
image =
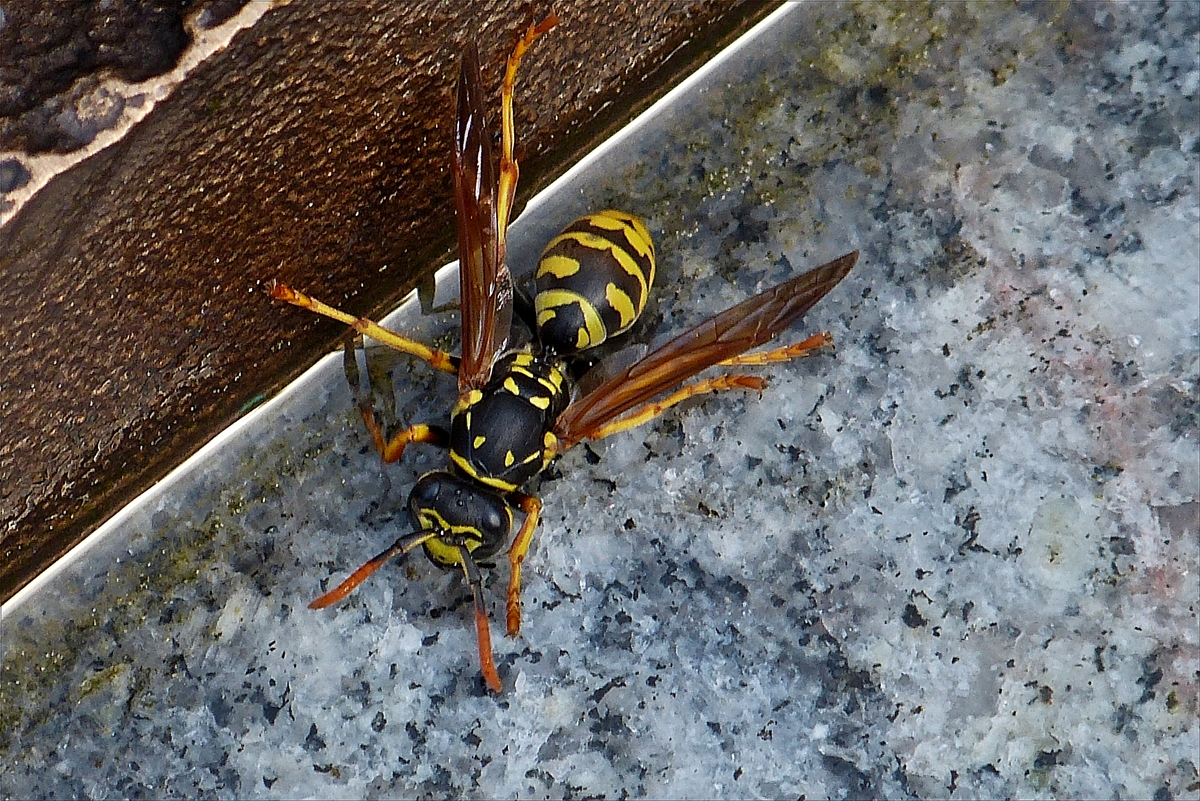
(437, 358)
(786, 353)
(509, 171)
(648, 411)
(391, 450)
(532, 508)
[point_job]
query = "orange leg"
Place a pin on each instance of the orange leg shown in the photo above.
(487, 664)
(648, 411)
(532, 508)
(509, 171)
(437, 358)
(393, 449)
(783, 354)
(390, 450)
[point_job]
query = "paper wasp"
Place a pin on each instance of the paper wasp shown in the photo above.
(517, 409)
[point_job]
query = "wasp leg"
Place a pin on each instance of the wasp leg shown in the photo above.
(390, 450)
(532, 508)
(508, 164)
(394, 449)
(487, 664)
(786, 353)
(648, 411)
(439, 359)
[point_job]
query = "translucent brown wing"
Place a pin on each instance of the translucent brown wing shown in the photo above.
(485, 285)
(734, 331)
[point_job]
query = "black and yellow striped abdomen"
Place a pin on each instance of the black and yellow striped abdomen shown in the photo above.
(592, 281)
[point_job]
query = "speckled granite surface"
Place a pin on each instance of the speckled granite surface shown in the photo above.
(956, 558)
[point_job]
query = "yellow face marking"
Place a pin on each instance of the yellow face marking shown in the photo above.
(430, 520)
(621, 303)
(558, 266)
(438, 549)
(478, 442)
(445, 554)
(541, 403)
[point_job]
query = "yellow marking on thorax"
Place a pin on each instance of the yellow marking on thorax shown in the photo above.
(466, 402)
(466, 467)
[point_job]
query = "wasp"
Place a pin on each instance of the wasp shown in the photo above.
(518, 408)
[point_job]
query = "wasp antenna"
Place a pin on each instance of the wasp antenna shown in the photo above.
(399, 548)
(487, 664)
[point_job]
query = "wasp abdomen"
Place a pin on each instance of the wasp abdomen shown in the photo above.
(592, 281)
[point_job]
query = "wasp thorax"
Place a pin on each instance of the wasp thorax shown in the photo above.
(498, 437)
